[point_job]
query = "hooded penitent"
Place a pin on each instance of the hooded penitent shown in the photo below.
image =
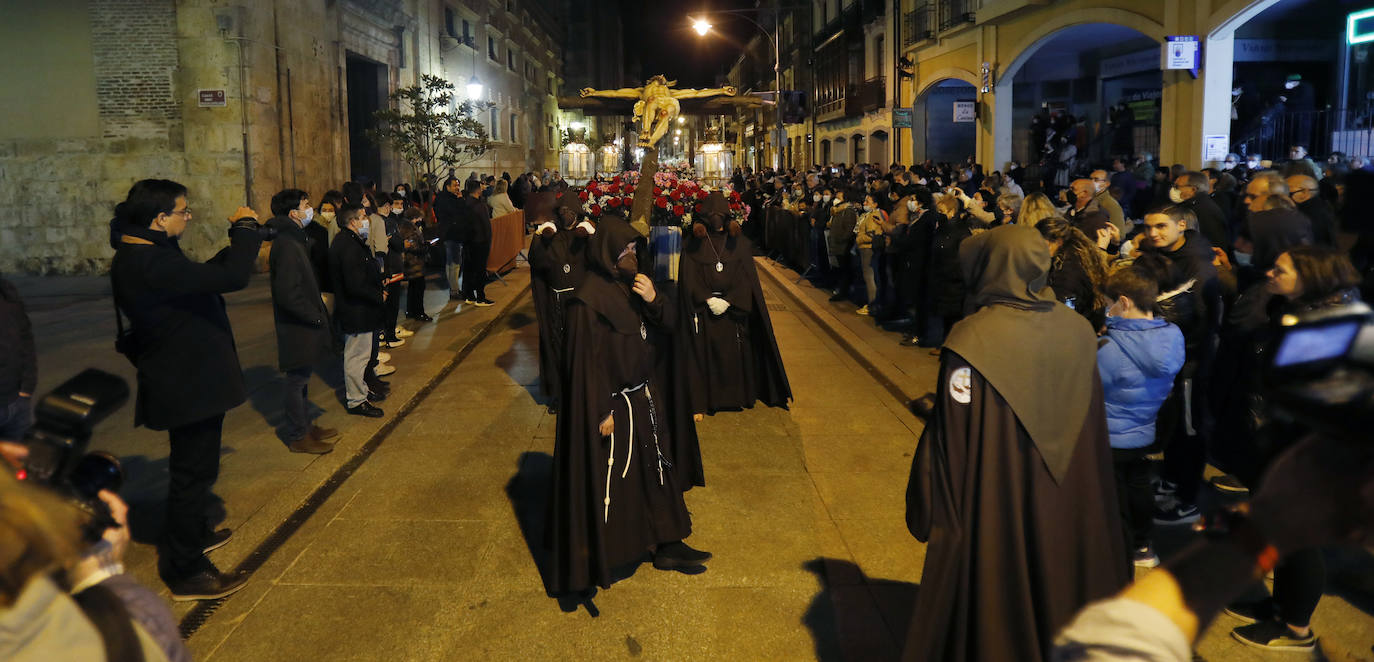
(567, 209)
(558, 265)
(715, 216)
(1012, 483)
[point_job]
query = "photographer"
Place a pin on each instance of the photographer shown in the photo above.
(189, 375)
(108, 616)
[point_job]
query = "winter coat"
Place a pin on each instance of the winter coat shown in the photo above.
(500, 205)
(474, 220)
(302, 324)
(1211, 221)
(1137, 360)
(946, 275)
(188, 367)
(317, 245)
(1323, 219)
(1071, 283)
(841, 226)
(358, 301)
(872, 225)
(395, 245)
(447, 209)
(414, 248)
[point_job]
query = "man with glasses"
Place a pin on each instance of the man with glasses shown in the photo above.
(1272, 222)
(1303, 190)
(1192, 190)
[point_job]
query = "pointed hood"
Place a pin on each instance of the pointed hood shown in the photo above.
(1039, 355)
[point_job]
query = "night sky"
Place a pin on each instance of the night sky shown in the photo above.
(663, 34)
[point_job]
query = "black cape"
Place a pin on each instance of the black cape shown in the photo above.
(611, 498)
(558, 266)
(731, 360)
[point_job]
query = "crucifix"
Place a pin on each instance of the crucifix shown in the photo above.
(656, 106)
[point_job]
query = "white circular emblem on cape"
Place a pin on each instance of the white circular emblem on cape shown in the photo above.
(961, 385)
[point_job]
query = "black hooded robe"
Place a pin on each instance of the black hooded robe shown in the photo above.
(1018, 510)
(612, 498)
(557, 267)
(733, 359)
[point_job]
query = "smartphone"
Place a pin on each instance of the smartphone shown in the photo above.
(434, 240)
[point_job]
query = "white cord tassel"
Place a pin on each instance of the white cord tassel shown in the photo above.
(610, 468)
(630, 453)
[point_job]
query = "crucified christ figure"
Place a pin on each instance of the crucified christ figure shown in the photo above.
(657, 104)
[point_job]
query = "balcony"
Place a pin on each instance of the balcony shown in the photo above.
(954, 13)
(918, 24)
(848, 105)
(873, 94)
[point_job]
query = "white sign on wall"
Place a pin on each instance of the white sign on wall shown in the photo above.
(1181, 52)
(1215, 147)
(964, 111)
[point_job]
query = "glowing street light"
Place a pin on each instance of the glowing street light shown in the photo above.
(681, 119)
(701, 26)
(474, 87)
(577, 126)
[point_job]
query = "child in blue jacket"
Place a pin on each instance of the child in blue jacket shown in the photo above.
(1137, 358)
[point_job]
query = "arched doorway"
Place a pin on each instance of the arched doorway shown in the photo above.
(859, 148)
(1094, 85)
(825, 153)
(944, 130)
(877, 147)
(841, 151)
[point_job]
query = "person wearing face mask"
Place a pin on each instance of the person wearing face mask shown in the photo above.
(870, 239)
(1138, 357)
(319, 234)
(302, 323)
(1104, 200)
(1192, 190)
(820, 218)
(840, 240)
(1299, 163)
(1303, 190)
(360, 298)
(414, 247)
(558, 264)
(614, 492)
(734, 358)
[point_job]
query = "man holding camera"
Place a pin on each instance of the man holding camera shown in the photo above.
(302, 324)
(189, 375)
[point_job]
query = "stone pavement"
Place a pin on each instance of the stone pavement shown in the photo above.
(429, 550)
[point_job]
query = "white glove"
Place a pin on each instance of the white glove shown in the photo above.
(717, 305)
(546, 226)
(587, 225)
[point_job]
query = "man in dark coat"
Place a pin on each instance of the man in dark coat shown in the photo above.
(558, 264)
(302, 324)
(359, 303)
(1012, 481)
(840, 240)
(188, 367)
(448, 207)
(1193, 191)
(614, 494)
(474, 230)
(1304, 192)
(1272, 223)
(733, 358)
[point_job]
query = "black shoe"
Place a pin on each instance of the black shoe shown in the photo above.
(1228, 484)
(377, 396)
(421, 317)
(218, 540)
(1274, 636)
(307, 444)
(676, 555)
(483, 302)
(366, 409)
(207, 584)
(837, 297)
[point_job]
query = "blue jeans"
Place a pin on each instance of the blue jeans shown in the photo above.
(16, 416)
(453, 262)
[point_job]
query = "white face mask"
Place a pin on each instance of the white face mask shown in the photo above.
(816, 198)
(327, 216)
(826, 198)
(1175, 195)
(308, 216)
(1253, 164)
(362, 232)
(911, 205)
(869, 207)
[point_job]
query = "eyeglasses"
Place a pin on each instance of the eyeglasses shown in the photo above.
(183, 212)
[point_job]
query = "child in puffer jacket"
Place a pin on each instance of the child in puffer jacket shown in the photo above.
(1137, 358)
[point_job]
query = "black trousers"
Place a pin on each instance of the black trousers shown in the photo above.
(844, 274)
(393, 310)
(194, 468)
(1134, 496)
(297, 403)
(475, 268)
(415, 296)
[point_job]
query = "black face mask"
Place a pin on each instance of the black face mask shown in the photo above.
(627, 267)
(716, 222)
(567, 220)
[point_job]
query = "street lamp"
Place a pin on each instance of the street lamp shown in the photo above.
(702, 27)
(474, 87)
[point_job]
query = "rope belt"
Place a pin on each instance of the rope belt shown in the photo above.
(610, 458)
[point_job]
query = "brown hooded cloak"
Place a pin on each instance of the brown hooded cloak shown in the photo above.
(1012, 484)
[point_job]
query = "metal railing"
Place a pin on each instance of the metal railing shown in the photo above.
(954, 13)
(918, 24)
(1348, 130)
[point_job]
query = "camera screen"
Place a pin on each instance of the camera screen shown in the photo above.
(1317, 343)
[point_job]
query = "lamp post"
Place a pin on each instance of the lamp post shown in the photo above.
(701, 26)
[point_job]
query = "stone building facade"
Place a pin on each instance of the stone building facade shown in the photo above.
(236, 100)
